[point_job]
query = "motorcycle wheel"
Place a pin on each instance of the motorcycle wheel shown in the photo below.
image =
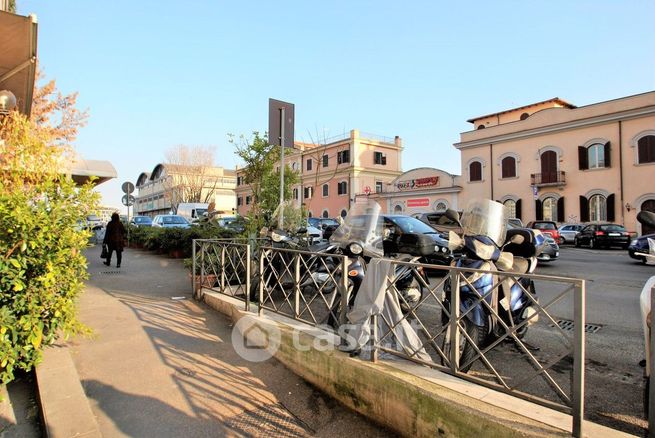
(466, 350)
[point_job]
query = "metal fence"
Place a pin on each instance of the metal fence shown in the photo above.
(540, 359)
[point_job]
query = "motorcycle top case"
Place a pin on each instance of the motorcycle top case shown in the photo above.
(416, 244)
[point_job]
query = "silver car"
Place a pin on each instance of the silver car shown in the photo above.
(569, 231)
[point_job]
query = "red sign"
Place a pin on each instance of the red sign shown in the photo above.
(418, 202)
(418, 183)
(367, 190)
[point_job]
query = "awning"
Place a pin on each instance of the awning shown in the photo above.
(82, 170)
(18, 57)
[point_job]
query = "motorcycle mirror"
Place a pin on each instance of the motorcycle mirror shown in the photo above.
(517, 239)
(505, 261)
(646, 218)
(452, 215)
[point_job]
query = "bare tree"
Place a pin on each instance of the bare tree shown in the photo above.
(191, 175)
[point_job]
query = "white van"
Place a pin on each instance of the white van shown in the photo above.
(192, 211)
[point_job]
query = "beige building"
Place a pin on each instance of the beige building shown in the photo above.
(555, 161)
(335, 172)
(160, 191)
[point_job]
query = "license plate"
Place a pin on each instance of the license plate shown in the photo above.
(614, 234)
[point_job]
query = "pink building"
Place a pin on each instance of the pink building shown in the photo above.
(333, 174)
(555, 161)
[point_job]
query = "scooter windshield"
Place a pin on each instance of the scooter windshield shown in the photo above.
(484, 217)
(362, 225)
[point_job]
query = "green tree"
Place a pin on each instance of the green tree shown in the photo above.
(261, 172)
(41, 262)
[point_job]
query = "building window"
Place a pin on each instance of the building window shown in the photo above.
(378, 186)
(343, 213)
(342, 188)
(480, 127)
(646, 149)
(524, 116)
(343, 157)
(238, 180)
(239, 201)
(398, 209)
(549, 209)
(508, 167)
(597, 208)
(510, 206)
(326, 190)
(326, 214)
(294, 166)
(248, 199)
(441, 206)
(309, 164)
(475, 171)
(326, 160)
(308, 192)
(379, 158)
(596, 156)
(295, 194)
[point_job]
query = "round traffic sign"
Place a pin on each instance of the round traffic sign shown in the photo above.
(127, 187)
(128, 200)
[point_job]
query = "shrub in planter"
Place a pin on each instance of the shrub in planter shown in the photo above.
(42, 266)
(153, 238)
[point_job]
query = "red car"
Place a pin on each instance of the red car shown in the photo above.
(547, 227)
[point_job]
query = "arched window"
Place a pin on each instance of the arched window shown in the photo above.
(475, 171)
(524, 116)
(510, 205)
(646, 149)
(343, 213)
(441, 206)
(398, 209)
(508, 167)
(596, 156)
(550, 209)
(326, 190)
(326, 214)
(480, 126)
(597, 208)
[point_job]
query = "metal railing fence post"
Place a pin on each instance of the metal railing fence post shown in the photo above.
(247, 263)
(203, 249)
(650, 359)
(454, 317)
(223, 248)
(296, 286)
(260, 307)
(193, 269)
(578, 359)
(373, 338)
(343, 308)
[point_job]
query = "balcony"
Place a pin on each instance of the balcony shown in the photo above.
(548, 179)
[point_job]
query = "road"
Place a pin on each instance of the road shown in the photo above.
(614, 378)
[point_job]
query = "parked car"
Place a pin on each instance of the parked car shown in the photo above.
(640, 244)
(547, 227)
(141, 221)
(325, 224)
(398, 225)
(603, 235)
(192, 211)
(93, 223)
(170, 221)
(439, 221)
(569, 231)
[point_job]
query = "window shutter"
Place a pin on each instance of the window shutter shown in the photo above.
(560, 209)
(608, 154)
(610, 208)
(584, 209)
(583, 162)
(518, 209)
(539, 213)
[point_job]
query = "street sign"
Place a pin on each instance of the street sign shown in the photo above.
(278, 127)
(367, 190)
(127, 187)
(128, 200)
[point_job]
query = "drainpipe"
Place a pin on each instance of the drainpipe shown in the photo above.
(491, 166)
(621, 171)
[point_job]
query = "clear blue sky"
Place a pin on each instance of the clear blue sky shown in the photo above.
(155, 74)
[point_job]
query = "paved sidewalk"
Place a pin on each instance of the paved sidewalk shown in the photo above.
(163, 367)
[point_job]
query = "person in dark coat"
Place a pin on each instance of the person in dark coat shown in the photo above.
(114, 236)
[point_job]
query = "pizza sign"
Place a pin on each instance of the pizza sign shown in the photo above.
(418, 183)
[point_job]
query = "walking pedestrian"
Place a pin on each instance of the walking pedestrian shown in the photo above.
(114, 236)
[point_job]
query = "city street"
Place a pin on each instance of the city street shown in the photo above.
(614, 381)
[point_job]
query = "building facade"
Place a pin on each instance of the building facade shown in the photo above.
(333, 174)
(421, 190)
(159, 191)
(555, 161)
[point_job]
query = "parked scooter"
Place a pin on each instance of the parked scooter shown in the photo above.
(484, 225)
(362, 238)
(647, 218)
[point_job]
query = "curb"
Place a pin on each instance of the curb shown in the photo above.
(65, 410)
